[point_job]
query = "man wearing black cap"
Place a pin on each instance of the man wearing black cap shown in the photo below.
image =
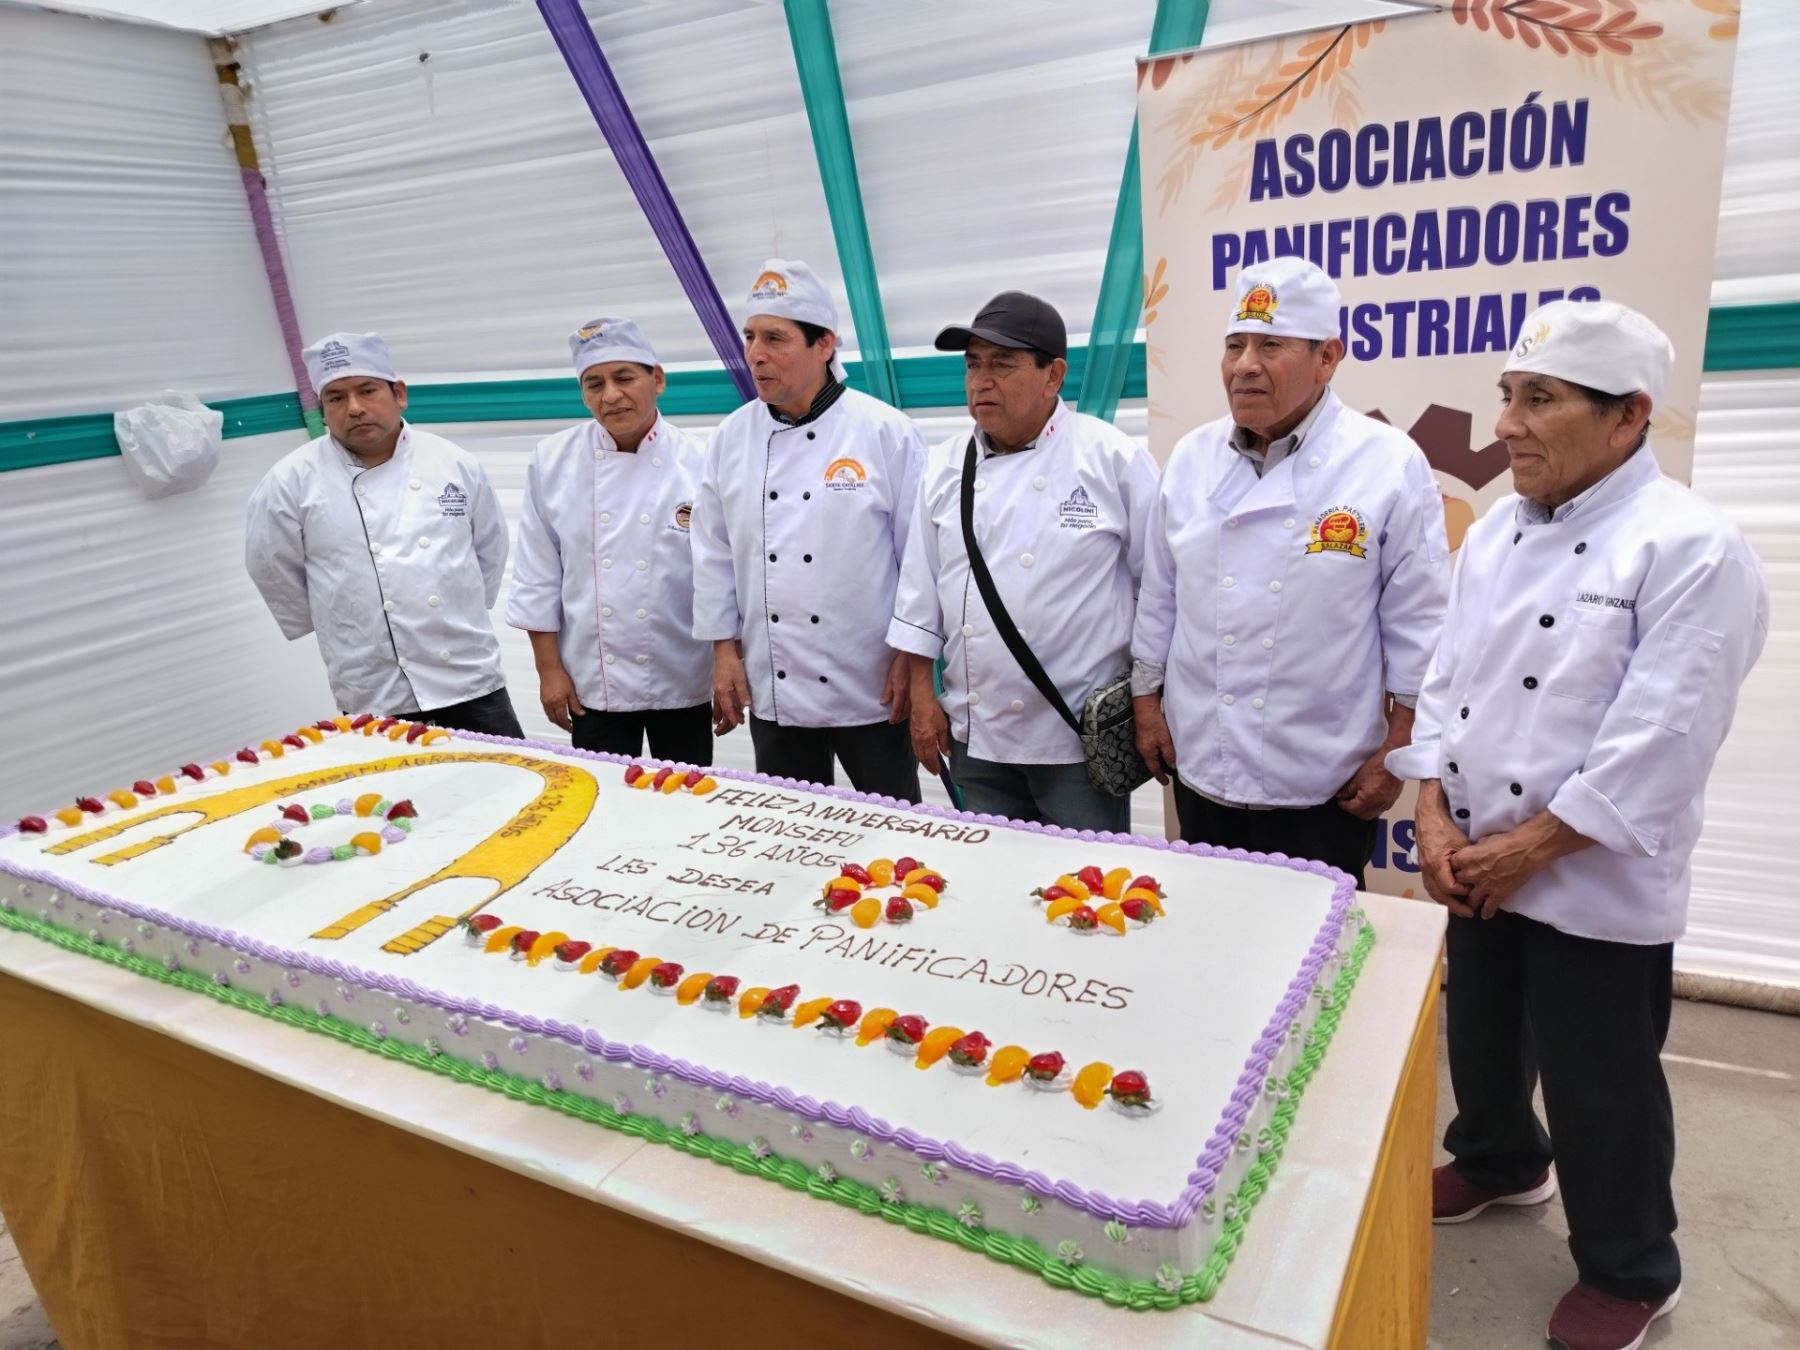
(1058, 502)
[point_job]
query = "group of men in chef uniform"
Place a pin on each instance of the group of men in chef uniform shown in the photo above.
(1281, 593)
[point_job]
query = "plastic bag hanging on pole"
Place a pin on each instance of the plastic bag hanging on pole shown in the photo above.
(593, 76)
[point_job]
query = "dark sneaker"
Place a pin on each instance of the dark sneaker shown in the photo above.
(1454, 1200)
(1586, 1319)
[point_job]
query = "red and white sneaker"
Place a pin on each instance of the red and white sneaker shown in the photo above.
(1586, 1319)
(1454, 1200)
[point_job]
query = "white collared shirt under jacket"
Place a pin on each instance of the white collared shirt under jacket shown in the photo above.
(1061, 526)
(1285, 608)
(394, 567)
(1590, 666)
(603, 560)
(798, 536)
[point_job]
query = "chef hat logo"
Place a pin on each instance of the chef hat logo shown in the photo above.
(590, 331)
(769, 286)
(333, 356)
(1536, 338)
(1260, 303)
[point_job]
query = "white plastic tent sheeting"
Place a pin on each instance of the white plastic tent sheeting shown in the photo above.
(465, 205)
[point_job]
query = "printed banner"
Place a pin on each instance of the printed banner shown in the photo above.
(1452, 170)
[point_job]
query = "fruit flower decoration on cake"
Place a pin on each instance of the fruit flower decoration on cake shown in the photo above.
(853, 890)
(1091, 901)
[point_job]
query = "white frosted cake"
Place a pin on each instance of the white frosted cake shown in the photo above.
(1077, 1053)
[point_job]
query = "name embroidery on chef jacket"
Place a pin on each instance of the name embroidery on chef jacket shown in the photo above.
(845, 475)
(1078, 511)
(1340, 529)
(453, 501)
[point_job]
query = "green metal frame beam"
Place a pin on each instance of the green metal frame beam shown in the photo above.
(1178, 26)
(815, 55)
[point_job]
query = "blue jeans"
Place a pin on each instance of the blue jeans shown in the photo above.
(1048, 794)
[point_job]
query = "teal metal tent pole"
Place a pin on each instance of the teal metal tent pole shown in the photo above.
(815, 54)
(1178, 25)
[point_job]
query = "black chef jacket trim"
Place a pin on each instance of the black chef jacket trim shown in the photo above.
(827, 396)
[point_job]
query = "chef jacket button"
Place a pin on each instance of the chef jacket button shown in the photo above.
(1518, 535)
(1038, 482)
(1581, 548)
(434, 602)
(444, 655)
(1268, 643)
(643, 613)
(806, 557)
(1231, 521)
(606, 517)
(423, 542)
(374, 548)
(1452, 766)
(641, 564)
(1229, 699)
(823, 680)
(1288, 524)
(606, 564)
(1547, 620)
(774, 618)
(1228, 582)
(774, 496)
(1018, 705)
(1313, 463)
(968, 630)
(1230, 640)
(806, 496)
(974, 697)
(644, 519)
(781, 674)
(980, 483)
(656, 462)
(1465, 714)
(606, 611)
(815, 618)
(387, 606)
(1256, 703)
(1530, 682)
(642, 658)
(359, 489)
(414, 485)
(809, 436)
(402, 663)
(1024, 636)
(1462, 813)
(1274, 585)
(1517, 791)
(771, 557)
(608, 658)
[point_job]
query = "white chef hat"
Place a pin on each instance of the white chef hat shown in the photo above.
(609, 339)
(1598, 343)
(341, 354)
(1285, 297)
(791, 290)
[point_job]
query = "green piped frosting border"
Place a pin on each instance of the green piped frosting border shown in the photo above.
(1141, 1295)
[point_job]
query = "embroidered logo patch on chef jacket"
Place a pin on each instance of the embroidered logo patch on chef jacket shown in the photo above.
(845, 475)
(1340, 529)
(453, 501)
(684, 515)
(1078, 511)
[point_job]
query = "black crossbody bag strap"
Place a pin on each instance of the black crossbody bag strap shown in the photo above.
(984, 582)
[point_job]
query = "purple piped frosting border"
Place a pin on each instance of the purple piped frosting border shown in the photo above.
(1143, 1213)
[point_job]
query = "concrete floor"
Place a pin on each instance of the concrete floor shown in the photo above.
(1736, 1080)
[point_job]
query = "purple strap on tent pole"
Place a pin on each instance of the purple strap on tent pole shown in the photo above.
(581, 52)
(256, 190)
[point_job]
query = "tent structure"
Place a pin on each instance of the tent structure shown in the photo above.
(432, 170)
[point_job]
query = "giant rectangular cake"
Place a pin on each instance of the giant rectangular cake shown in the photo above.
(1077, 1053)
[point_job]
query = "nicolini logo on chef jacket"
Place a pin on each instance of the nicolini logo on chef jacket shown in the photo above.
(845, 475)
(1078, 511)
(768, 286)
(1340, 529)
(1260, 303)
(453, 501)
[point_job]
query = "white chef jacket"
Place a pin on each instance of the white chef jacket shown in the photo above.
(603, 561)
(798, 536)
(1590, 665)
(1286, 607)
(1062, 528)
(394, 567)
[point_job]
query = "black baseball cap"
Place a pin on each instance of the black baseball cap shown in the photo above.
(1011, 319)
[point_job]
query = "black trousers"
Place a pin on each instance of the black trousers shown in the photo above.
(491, 713)
(1527, 1001)
(680, 734)
(1326, 833)
(878, 757)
